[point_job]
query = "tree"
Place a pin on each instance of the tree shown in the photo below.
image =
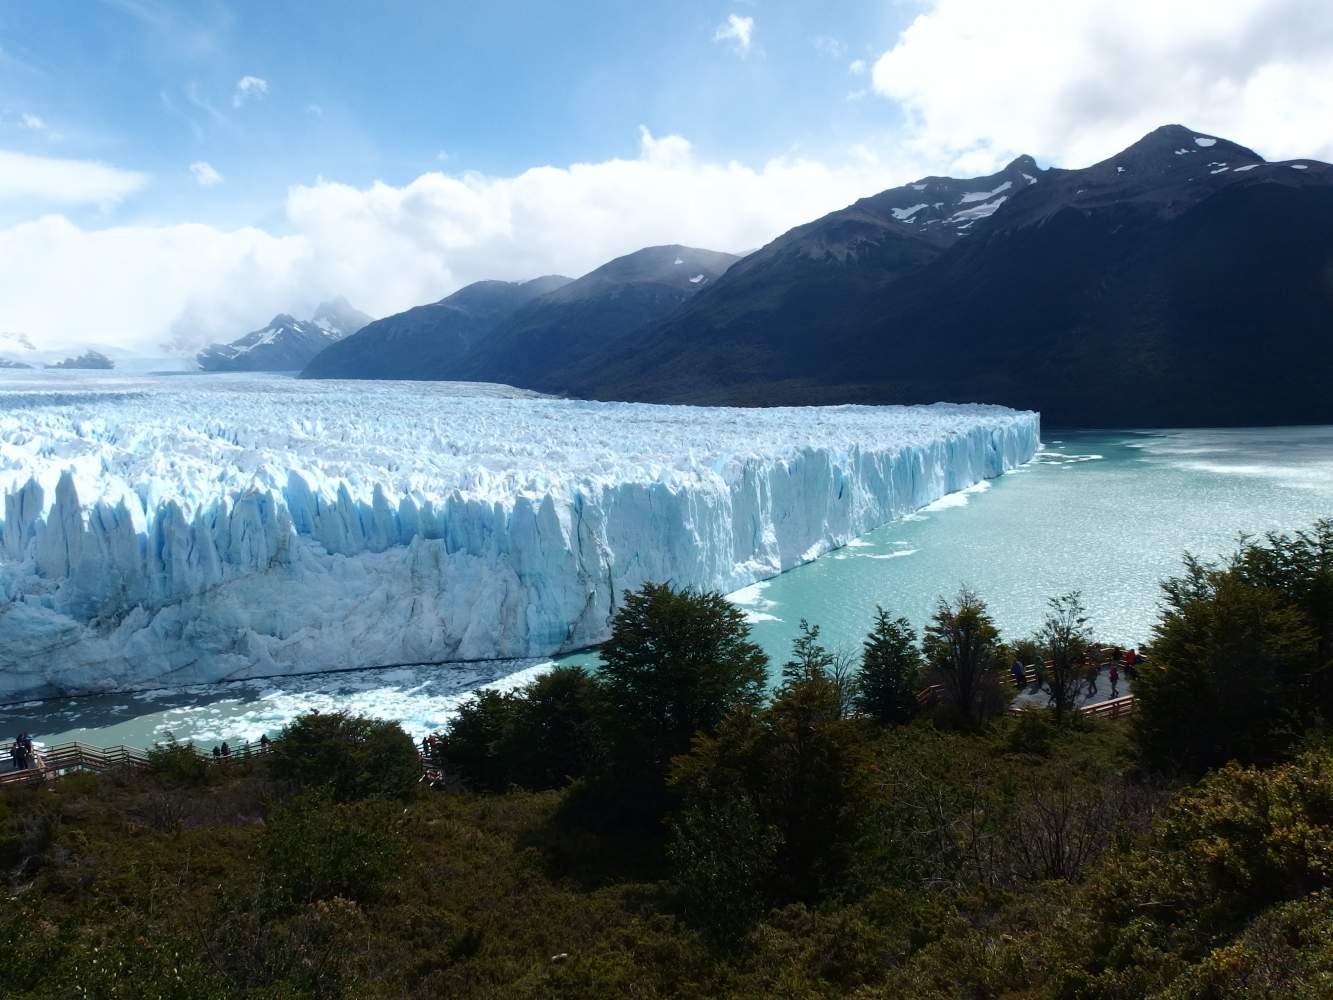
(473, 746)
(355, 757)
(789, 777)
(556, 733)
(962, 647)
(890, 676)
(1063, 639)
(677, 662)
(1235, 672)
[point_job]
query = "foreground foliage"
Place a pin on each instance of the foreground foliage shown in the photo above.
(681, 834)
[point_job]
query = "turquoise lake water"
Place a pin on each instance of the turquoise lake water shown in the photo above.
(1108, 514)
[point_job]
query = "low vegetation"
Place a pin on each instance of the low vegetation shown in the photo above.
(667, 827)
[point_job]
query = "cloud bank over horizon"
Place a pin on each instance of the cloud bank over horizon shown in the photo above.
(389, 247)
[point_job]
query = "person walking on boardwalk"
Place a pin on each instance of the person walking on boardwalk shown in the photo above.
(1020, 678)
(1092, 679)
(1039, 674)
(1113, 675)
(226, 750)
(263, 743)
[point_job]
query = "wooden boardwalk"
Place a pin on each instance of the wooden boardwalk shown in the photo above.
(67, 758)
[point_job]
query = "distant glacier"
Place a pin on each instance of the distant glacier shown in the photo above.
(164, 531)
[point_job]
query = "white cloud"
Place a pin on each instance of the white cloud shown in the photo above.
(738, 30)
(827, 45)
(249, 88)
(32, 123)
(205, 174)
(388, 247)
(63, 182)
(314, 111)
(1075, 82)
(857, 67)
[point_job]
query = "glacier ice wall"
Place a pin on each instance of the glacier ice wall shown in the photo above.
(186, 530)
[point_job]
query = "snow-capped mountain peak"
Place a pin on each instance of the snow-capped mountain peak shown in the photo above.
(286, 343)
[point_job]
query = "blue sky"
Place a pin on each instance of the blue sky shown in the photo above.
(362, 92)
(174, 173)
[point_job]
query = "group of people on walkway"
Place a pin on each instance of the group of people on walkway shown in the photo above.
(21, 754)
(1117, 660)
(223, 749)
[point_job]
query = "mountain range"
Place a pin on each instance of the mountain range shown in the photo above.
(536, 334)
(1183, 281)
(286, 344)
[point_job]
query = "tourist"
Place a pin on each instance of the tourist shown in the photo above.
(263, 743)
(217, 753)
(1039, 672)
(1113, 675)
(1020, 678)
(1092, 679)
(425, 746)
(226, 750)
(1131, 661)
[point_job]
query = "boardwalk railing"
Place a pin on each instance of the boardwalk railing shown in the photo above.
(51, 762)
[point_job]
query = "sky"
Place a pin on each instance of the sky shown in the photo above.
(173, 174)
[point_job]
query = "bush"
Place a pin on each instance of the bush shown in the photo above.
(317, 848)
(178, 763)
(1235, 673)
(544, 736)
(354, 757)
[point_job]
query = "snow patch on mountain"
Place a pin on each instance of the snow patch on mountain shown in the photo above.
(188, 530)
(972, 196)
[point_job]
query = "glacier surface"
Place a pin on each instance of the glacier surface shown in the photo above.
(188, 529)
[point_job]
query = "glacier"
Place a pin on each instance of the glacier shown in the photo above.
(174, 530)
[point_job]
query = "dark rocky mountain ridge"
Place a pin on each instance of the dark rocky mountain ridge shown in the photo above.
(429, 342)
(534, 334)
(1181, 281)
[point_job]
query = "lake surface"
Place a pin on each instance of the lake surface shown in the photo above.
(1108, 514)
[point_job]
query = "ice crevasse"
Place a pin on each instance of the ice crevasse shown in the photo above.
(160, 532)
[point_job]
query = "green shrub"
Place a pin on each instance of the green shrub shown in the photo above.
(353, 756)
(178, 763)
(317, 848)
